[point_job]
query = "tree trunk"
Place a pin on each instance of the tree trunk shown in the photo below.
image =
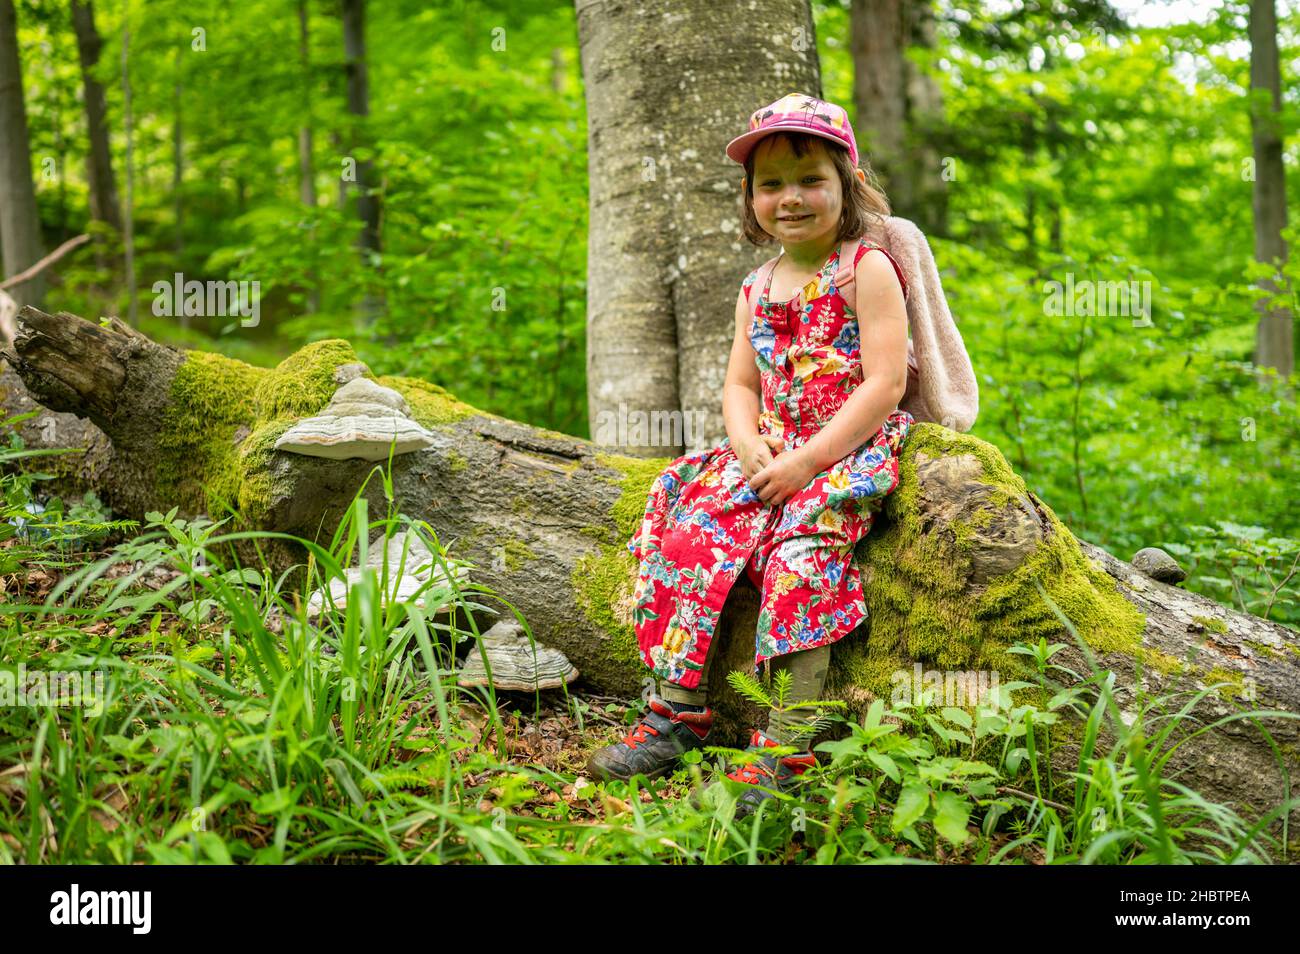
(665, 250)
(1274, 336)
(20, 224)
(899, 107)
(104, 206)
(306, 148)
(1029, 150)
(306, 170)
(948, 571)
(926, 125)
(128, 219)
(559, 70)
(354, 45)
(880, 94)
(178, 166)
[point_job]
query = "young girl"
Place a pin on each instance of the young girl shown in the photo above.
(813, 437)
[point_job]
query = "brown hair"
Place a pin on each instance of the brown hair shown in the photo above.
(864, 205)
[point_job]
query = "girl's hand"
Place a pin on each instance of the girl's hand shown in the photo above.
(787, 475)
(758, 452)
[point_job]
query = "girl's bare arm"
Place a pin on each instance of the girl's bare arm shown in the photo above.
(742, 393)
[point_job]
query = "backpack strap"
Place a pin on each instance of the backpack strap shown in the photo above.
(846, 284)
(760, 282)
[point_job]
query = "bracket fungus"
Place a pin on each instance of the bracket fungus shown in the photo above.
(514, 663)
(1159, 565)
(363, 419)
(416, 578)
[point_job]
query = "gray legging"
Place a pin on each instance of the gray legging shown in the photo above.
(808, 675)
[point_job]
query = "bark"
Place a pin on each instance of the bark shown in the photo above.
(128, 219)
(20, 224)
(545, 518)
(358, 86)
(899, 107)
(559, 70)
(926, 125)
(665, 93)
(178, 165)
(877, 42)
(1274, 337)
(306, 169)
(306, 136)
(104, 206)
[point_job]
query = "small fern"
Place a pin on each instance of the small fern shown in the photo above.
(748, 686)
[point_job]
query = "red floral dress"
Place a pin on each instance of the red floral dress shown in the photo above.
(703, 523)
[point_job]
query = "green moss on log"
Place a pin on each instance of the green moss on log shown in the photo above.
(1235, 687)
(603, 580)
(636, 477)
(915, 585)
(1264, 649)
(431, 405)
(202, 468)
(304, 382)
(1161, 662)
(1215, 625)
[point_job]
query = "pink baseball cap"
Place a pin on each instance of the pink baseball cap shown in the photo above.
(796, 112)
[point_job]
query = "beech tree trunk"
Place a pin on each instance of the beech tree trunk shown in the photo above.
(877, 42)
(20, 225)
(104, 205)
(546, 518)
(1275, 334)
(358, 89)
(665, 93)
(899, 107)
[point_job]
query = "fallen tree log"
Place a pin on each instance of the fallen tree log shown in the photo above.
(951, 572)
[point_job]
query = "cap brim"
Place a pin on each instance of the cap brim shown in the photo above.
(738, 149)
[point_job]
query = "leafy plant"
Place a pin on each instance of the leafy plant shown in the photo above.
(1249, 568)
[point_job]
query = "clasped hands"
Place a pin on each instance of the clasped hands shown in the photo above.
(773, 472)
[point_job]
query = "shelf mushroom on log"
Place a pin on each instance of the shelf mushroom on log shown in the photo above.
(515, 662)
(951, 573)
(361, 420)
(406, 572)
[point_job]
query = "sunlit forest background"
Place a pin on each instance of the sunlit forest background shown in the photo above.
(1113, 144)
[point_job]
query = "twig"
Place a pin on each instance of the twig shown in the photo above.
(1006, 790)
(1273, 596)
(46, 262)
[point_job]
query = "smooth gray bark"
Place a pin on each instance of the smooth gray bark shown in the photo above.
(20, 224)
(667, 89)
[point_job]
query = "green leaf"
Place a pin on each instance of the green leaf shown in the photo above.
(272, 803)
(886, 765)
(214, 848)
(950, 816)
(913, 801)
(843, 749)
(873, 714)
(959, 716)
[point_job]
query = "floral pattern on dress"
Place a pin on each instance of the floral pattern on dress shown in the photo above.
(704, 525)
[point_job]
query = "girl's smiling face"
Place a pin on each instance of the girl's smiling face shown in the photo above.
(796, 200)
